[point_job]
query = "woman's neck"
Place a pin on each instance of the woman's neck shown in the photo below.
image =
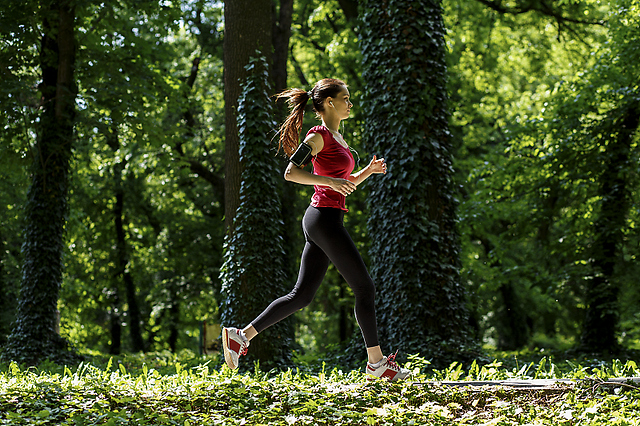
(336, 134)
(331, 123)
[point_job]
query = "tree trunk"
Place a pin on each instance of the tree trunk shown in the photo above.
(245, 31)
(281, 34)
(350, 9)
(249, 279)
(516, 325)
(122, 257)
(4, 327)
(133, 314)
(601, 320)
(342, 316)
(34, 335)
(513, 325)
(412, 226)
(174, 321)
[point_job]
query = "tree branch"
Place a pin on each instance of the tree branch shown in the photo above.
(542, 7)
(298, 68)
(197, 167)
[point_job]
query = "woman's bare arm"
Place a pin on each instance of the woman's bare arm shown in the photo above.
(299, 175)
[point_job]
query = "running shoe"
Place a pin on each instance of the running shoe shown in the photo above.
(387, 368)
(235, 345)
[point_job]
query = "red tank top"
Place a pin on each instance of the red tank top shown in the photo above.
(333, 161)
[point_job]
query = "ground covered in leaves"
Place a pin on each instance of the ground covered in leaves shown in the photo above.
(161, 389)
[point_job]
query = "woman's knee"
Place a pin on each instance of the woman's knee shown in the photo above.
(301, 299)
(364, 290)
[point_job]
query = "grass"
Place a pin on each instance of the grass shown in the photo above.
(164, 389)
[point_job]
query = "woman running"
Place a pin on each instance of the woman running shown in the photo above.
(326, 238)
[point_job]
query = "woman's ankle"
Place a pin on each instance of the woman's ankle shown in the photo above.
(250, 332)
(374, 354)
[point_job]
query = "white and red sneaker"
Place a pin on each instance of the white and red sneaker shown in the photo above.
(235, 344)
(387, 369)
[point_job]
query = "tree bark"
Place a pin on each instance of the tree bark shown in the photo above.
(115, 326)
(513, 325)
(281, 35)
(516, 324)
(34, 335)
(174, 321)
(247, 29)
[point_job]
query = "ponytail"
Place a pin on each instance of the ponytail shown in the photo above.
(297, 100)
(290, 129)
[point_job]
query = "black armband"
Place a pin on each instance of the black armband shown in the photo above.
(302, 156)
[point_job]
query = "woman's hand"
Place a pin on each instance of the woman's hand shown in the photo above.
(342, 186)
(377, 166)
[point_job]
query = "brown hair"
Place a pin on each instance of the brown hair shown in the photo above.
(297, 100)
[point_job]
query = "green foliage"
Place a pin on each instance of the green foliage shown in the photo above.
(415, 257)
(538, 136)
(591, 146)
(19, 101)
(132, 70)
(166, 390)
(253, 271)
(132, 57)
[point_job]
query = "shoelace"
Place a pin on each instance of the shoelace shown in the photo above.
(391, 360)
(244, 349)
(245, 346)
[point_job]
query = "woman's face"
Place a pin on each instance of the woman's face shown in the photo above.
(341, 103)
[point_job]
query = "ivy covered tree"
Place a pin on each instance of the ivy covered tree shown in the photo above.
(412, 225)
(253, 271)
(35, 335)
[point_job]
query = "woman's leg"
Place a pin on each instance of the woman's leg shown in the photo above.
(332, 237)
(327, 240)
(313, 267)
(374, 355)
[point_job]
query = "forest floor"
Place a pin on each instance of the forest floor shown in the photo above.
(165, 389)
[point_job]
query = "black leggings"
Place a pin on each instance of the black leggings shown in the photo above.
(327, 241)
